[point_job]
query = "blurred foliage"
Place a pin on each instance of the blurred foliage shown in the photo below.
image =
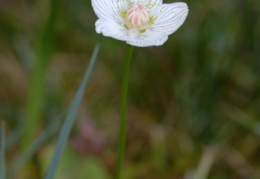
(194, 103)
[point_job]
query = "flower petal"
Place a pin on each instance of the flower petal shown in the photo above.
(146, 2)
(111, 29)
(170, 17)
(149, 38)
(107, 9)
(152, 2)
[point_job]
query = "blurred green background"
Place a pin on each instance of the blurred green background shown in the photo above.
(194, 103)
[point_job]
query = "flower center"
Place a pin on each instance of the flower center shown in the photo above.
(137, 16)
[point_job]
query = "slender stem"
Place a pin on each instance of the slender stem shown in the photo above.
(122, 134)
(2, 151)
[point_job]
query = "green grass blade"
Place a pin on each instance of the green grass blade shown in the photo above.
(37, 77)
(67, 125)
(2, 153)
(206, 163)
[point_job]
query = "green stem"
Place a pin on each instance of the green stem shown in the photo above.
(122, 134)
(2, 152)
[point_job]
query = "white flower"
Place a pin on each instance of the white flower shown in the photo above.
(140, 23)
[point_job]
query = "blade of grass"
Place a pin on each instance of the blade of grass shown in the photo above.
(206, 162)
(37, 77)
(67, 125)
(2, 152)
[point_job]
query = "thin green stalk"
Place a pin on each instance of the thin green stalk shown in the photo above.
(2, 152)
(68, 123)
(37, 77)
(206, 162)
(122, 135)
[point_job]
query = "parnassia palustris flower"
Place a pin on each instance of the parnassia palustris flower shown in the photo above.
(140, 23)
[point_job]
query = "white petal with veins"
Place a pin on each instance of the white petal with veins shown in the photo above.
(150, 38)
(111, 29)
(171, 17)
(106, 9)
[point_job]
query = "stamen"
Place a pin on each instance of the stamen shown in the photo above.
(137, 15)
